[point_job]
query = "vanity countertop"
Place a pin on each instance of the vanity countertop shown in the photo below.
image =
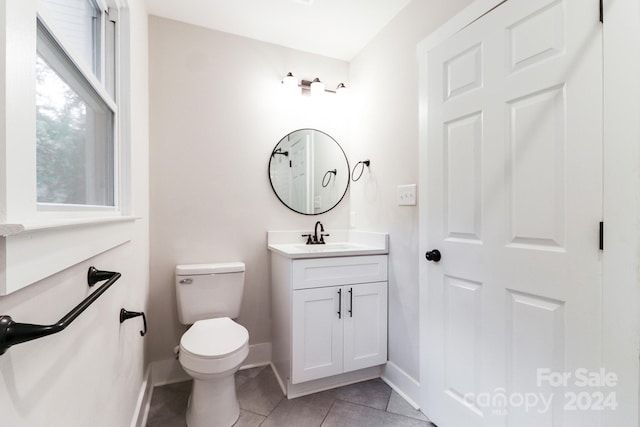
(291, 244)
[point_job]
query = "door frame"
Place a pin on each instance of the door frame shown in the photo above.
(621, 196)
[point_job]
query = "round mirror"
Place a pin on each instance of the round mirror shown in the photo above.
(309, 171)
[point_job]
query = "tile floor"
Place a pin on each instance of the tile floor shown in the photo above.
(366, 404)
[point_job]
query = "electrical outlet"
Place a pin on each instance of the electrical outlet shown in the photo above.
(407, 195)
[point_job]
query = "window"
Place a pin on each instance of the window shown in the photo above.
(75, 111)
(79, 21)
(65, 182)
(74, 136)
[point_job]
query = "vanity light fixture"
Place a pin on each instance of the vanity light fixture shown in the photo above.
(313, 88)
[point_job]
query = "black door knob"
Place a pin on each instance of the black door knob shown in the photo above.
(433, 255)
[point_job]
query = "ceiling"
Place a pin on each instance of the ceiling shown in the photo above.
(334, 28)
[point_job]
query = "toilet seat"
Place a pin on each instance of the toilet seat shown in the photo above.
(213, 346)
(214, 338)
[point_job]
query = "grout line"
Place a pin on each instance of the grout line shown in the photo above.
(274, 408)
(254, 413)
(386, 407)
(328, 412)
(363, 405)
(384, 410)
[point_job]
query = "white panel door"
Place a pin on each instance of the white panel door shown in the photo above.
(317, 333)
(514, 154)
(365, 325)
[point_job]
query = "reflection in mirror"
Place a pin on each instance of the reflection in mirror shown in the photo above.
(309, 171)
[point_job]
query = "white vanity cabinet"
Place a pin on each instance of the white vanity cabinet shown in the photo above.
(329, 320)
(338, 329)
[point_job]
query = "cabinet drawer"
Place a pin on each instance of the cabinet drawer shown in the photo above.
(317, 272)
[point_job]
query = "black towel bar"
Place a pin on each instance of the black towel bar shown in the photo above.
(12, 333)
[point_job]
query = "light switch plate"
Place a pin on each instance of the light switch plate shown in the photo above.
(407, 195)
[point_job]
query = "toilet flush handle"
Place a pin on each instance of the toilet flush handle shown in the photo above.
(186, 281)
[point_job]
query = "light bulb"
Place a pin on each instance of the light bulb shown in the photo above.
(342, 90)
(317, 87)
(290, 83)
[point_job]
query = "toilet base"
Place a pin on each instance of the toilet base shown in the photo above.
(213, 403)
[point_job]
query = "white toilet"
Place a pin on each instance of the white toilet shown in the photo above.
(212, 350)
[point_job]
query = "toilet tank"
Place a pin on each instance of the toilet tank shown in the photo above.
(207, 291)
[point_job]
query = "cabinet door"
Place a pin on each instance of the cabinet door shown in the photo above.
(317, 333)
(365, 325)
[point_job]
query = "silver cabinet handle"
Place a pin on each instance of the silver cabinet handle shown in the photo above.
(186, 281)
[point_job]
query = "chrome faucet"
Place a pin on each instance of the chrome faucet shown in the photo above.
(313, 239)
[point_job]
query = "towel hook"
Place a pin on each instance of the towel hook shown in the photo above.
(126, 315)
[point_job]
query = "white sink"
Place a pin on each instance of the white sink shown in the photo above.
(345, 246)
(348, 243)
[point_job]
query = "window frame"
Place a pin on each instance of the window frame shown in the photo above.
(39, 241)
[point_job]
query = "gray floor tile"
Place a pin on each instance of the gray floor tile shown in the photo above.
(169, 405)
(306, 411)
(252, 372)
(240, 379)
(260, 394)
(248, 419)
(398, 405)
(262, 404)
(373, 393)
(345, 414)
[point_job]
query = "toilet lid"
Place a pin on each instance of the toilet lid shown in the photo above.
(214, 338)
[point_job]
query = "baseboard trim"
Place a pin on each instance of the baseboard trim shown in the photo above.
(167, 371)
(402, 383)
(170, 371)
(259, 355)
(144, 401)
(282, 384)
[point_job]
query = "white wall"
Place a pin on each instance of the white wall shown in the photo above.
(217, 110)
(384, 129)
(91, 373)
(621, 255)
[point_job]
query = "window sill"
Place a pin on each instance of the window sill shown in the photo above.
(33, 251)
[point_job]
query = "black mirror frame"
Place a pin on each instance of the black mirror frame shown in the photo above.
(271, 157)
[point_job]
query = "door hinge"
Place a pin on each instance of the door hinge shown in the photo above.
(112, 14)
(601, 235)
(601, 11)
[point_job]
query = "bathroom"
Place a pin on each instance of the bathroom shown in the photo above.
(208, 109)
